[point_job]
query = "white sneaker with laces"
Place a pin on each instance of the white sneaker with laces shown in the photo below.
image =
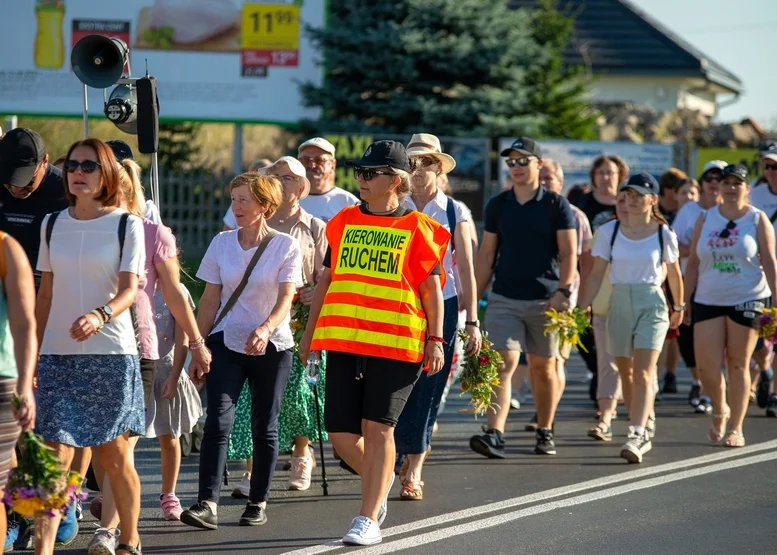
(299, 479)
(243, 488)
(104, 542)
(364, 531)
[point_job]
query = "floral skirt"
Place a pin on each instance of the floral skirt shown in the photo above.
(297, 418)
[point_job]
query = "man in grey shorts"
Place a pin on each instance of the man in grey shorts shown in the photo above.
(530, 247)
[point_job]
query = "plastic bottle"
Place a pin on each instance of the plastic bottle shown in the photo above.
(50, 39)
(313, 369)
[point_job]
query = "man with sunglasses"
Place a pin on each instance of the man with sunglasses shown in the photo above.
(31, 189)
(530, 246)
(764, 197)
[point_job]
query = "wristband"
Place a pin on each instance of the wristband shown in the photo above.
(472, 323)
(678, 307)
(197, 344)
(97, 313)
(435, 339)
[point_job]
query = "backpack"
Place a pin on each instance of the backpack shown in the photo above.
(660, 239)
(500, 200)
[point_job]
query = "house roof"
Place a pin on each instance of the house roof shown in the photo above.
(616, 38)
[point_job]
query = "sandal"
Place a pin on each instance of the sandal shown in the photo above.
(734, 439)
(129, 549)
(411, 491)
(601, 431)
(713, 435)
(403, 471)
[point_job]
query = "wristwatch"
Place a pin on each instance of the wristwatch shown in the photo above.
(678, 307)
(108, 311)
(472, 323)
(564, 291)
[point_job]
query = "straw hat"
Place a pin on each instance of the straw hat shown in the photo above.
(426, 144)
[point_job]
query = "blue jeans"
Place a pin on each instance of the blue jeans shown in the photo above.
(414, 429)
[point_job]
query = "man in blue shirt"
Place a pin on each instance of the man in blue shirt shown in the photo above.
(530, 247)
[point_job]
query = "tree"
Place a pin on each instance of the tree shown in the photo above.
(455, 67)
(177, 145)
(558, 91)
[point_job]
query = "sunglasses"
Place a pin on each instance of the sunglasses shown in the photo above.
(523, 162)
(368, 173)
(309, 161)
(768, 167)
(726, 233)
(87, 166)
(426, 161)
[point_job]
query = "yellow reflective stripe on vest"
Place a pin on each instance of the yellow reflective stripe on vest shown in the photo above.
(374, 315)
(369, 337)
(379, 291)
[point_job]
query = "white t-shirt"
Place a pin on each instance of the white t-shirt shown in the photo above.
(683, 225)
(762, 198)
(436, 209)
(327, 205)
(84, 257)
(225, 263)
(635, 261)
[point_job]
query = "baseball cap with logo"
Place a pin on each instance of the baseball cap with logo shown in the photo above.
(712, 165)
(769, 151)
(525, 146)
(21, 152)
(319, 142)
(295, 166)
(121, 150)
(383, 154)
(643, 183)
(736, 170)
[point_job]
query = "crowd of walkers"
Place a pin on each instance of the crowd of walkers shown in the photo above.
(97, 326)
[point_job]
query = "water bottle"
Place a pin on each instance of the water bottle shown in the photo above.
(313, 370)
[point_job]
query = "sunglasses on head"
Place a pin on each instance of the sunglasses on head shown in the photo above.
(368, 173)
(727, 232)
(87, 166)
(512, 162)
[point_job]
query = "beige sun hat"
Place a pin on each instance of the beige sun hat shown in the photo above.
(296, 168)
(426, 144)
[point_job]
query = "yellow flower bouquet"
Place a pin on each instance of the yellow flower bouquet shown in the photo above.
(39, 485)
(767, 325)
(480, 376)
(569, 326)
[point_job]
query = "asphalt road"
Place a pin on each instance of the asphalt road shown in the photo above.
(687, 496)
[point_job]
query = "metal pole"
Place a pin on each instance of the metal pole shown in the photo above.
(237, 150)
(325, 485)
(155, 181)
(86, 114)
(11, 122)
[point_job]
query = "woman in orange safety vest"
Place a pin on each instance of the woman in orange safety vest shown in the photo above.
(378, 312)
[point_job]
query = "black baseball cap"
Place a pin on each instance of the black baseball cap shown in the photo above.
(737, 170)
(21, 152)
(121, 150)
(643, 183)
(383, 154)
(522, 145)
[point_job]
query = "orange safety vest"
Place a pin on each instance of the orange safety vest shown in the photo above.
(373, 306)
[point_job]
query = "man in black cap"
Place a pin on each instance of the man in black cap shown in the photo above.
(31, 189)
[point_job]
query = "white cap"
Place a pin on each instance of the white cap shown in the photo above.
(295, 166)
(713, 165)
(319, 142)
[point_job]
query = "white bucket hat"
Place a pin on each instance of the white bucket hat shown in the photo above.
(426, 144)
(295, 166)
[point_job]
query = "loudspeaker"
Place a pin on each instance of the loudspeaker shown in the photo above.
(122, 108)
(98, 61)
(148, 115)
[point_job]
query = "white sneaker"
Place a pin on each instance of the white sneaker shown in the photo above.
(243, 488)
(299, 479)
(384, 506)
(104, 542)
(364, 531)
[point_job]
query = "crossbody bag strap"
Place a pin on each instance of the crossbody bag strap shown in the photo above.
(243, 282)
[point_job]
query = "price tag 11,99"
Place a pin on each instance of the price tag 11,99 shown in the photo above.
(270, 27)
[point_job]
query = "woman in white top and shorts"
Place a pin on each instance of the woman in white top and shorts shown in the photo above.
(732, 267)
(641, 250)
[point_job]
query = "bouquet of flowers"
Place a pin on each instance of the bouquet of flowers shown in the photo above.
(480, 375)
(568, 325)
(767, 325)
(39, 485)
(299, 318)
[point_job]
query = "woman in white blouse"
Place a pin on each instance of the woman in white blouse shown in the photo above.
(252, 341)
(641, 251)
(89, 388)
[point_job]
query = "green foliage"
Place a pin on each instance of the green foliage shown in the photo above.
(480, 376)
(178, 146)
(557, 91)
(457, 67)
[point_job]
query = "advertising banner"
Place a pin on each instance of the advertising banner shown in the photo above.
(748, 157)
(467, 180)
(577, 157)
(214, 60)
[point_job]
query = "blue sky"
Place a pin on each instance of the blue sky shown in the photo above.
(738, 35)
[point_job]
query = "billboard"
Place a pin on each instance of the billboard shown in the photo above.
(748, 157)
(214, 60)
(577, 157)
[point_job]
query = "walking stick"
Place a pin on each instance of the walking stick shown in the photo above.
(324, 484)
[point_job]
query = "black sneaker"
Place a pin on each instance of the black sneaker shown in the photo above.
(491, 444)
(636, 445)
(254, 515)
(670, 383)
(694, 396)
(704, 406)
(200, 516)
(771, 407)
(764, 385)
(532, 425)
(545, 442)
